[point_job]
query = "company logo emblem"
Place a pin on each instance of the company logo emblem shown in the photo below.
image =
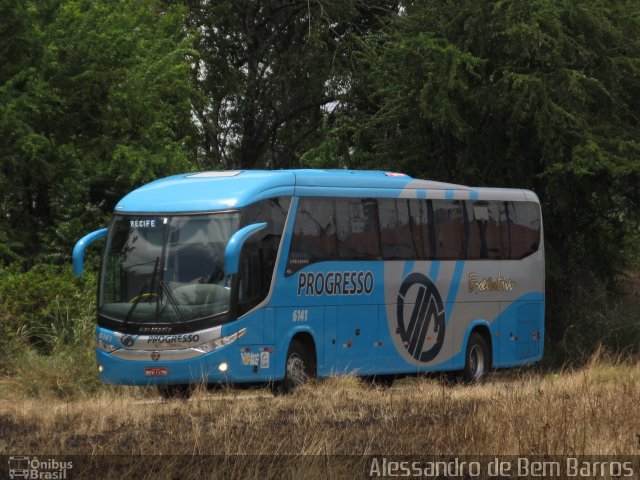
(127, 341)
(420, 317)
(155, 356)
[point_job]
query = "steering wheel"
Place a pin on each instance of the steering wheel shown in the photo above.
(142, 297)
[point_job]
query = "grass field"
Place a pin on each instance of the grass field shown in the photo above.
(591, 411)
(594, 410)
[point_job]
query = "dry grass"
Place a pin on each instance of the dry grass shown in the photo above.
(591, 411)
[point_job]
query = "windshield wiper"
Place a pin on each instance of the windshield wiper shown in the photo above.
(172, 301)
(163, 288)
(140, 294)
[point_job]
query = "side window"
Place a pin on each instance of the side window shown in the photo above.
(398, 237)
(502, 230)
(421, 212)
(259, 254)
(274, 212)
(488, 231)
(357, 228)
(251, 270)
(524, 221)
(476, 212)
(448, 226)
(314, 234)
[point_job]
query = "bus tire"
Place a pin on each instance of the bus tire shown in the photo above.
(175, 392)
(298, 369)
(476, 360)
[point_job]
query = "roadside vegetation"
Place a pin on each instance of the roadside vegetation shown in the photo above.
(47, 342)
(590, 410)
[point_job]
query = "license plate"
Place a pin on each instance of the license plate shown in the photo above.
(156, 371)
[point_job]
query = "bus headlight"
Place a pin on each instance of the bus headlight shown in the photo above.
(222, 341)
(107, 347)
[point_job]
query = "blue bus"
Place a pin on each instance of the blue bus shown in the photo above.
(280, 276)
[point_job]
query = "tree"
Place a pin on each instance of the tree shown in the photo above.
(96, 99)
(267, 72)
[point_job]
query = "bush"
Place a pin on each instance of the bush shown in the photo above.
(592, 320)
(47, 322)
(46, 307)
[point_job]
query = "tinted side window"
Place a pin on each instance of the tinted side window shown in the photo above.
(357, 227)
(497, 243)
(252, 273)
(421, 212)
(397, 237)
(488, 230)
(273, 211)
(448, 224)
(259, 254)
(475, 212)
(314, 233)
(503, 230)
(524, 221)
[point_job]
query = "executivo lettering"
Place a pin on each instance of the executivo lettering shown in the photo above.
(500, 284)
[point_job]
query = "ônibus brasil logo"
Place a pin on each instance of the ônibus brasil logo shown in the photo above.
(423, 313)
(34, 468)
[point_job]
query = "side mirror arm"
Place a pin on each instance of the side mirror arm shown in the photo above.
(81, 246)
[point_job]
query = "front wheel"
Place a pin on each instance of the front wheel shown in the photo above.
(476, 362)
(298, 369)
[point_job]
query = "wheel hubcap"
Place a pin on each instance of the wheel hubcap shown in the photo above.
(476, 362)
(295, 370)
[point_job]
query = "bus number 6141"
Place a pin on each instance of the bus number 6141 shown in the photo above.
(300, 315)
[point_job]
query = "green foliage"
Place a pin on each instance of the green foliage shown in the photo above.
(268, 71)
(596, 321)
(46, 307)
(97, 103)
(47, 324)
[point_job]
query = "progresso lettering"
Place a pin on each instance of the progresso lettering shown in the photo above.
(173, 338)
(335, 283)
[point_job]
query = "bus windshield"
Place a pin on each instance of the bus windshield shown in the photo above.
(166, 269)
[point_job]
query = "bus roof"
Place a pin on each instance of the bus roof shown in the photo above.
(230, 189)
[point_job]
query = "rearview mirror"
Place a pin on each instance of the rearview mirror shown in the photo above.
(81, 246)
(234, 246)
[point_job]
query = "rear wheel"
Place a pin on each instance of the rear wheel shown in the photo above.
(477, 360)
(298, 369)
(175, 392)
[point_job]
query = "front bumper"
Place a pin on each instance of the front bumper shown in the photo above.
(203, 369)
